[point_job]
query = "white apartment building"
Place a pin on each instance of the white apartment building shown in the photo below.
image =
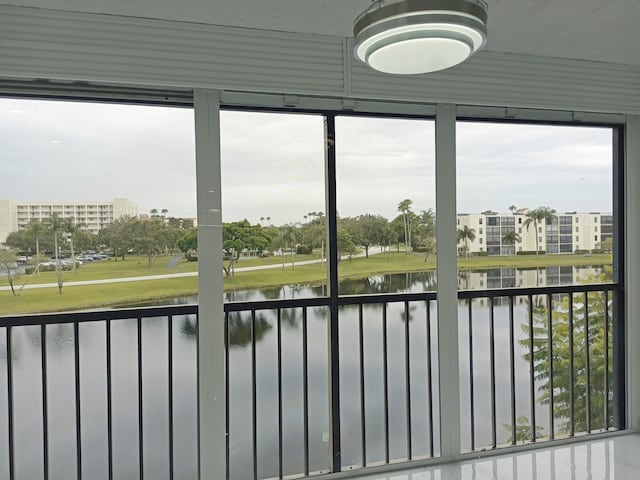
(91, 216)
(567, 233)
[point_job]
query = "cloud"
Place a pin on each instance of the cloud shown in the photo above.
(273, 163)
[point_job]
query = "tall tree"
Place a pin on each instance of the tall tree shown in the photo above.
(8, 259)
(189, 241)
(536, 217)
(513, 209)
(344, 243)
(290, 237)
(562, 340)
(466, 234)
(366, 230)
(423, 235)
(149, 237)
(405, 208)
(36, 230)
(57, 224)
(70, 228)
(118, 235)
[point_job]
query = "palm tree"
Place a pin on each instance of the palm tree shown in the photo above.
(70, 228)
(290, 237)
(538, 216)
(405, 207)
(513, 209)
(511, 238)
(164, 212)
(56, 224)
(36, 229)
(464, 235)
(154, 212)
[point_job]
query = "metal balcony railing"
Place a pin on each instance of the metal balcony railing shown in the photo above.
(113, 394)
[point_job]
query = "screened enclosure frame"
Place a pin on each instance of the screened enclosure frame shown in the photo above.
(213, 362)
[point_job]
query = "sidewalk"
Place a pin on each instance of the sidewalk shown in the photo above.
(168, 275)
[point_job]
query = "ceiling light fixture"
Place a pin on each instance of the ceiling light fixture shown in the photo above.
(419, 36)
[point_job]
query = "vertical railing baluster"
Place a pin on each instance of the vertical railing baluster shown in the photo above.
(76, 350)
(606, 359)
(45, 408)
(279, 347)
(572, 409)
(254, 400)
(109, 402)
(11, 438)
(407, 361)
(532, 385)
(618, 352)
(550, 362)
(305, 389)
(170, 391)
(140, 399)
(198, 415)
(226, 390)
(512, 371)
(492, 363)
(363, 416)
(429, 378)
(587, 360)
(471, 385)
(385, 380)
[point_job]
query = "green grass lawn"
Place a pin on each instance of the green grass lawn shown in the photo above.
(95, 296)
(133, 266)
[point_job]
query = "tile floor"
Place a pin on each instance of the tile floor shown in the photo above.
(616, 458)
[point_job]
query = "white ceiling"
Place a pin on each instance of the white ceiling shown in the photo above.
(599, 30)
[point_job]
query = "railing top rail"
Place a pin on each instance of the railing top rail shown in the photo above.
(324, 301)
(97, 315)
(276, 304)
(558, 289)
(386, 298)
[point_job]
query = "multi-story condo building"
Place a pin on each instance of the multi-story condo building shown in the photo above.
(91, 216)
(566, 233)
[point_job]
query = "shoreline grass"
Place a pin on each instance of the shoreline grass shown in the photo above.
(105, 295)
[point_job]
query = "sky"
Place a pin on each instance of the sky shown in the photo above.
(273, 164)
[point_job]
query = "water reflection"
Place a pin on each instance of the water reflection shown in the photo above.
(242, 327)
(264, 382)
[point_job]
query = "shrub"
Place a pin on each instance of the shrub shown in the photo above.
(531, 252)
(304, 249)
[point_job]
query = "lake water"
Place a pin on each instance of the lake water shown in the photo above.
(60, 391)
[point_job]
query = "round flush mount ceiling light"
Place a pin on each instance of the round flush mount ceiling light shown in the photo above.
(419, 36)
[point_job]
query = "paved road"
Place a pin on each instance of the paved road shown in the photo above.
(168, 275)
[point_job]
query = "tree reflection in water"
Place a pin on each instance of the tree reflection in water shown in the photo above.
(240, 324)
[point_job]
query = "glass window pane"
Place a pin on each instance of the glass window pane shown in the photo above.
(386, 204)
(544, 178)
(273, 205)
(547, 180)
(95, 191)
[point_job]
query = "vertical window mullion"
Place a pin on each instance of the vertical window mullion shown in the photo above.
(447, 280)
(332, 282)
(212, 432)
